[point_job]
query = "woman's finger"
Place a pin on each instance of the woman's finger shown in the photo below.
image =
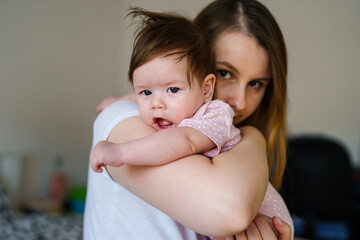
(283, 228)
(241, 236)
(252, 232)
(264, 226)
(106, 102)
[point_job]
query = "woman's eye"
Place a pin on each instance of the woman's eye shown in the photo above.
(255, 84)
(173, 90)
(145, 92)
(224, 74)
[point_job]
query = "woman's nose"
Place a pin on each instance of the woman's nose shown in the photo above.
(239, 101)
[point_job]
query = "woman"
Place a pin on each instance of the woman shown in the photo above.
(222, 197)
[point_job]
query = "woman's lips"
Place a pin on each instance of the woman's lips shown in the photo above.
(161, 124)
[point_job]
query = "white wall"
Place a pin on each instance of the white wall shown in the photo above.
(59, 58)
(323, 40)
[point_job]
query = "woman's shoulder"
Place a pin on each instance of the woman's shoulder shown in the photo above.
(111, 116)
(119, 109)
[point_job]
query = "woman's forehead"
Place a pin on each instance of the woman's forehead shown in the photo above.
(243, 53)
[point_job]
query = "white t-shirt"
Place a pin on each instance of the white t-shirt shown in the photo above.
(111, 211)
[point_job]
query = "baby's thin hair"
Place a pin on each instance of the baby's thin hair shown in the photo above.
(166, 34)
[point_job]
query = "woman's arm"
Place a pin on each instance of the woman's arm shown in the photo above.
(218, 199)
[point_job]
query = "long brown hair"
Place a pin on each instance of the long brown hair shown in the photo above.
(253, 19)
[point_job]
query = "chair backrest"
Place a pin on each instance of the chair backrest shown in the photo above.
(318, 180)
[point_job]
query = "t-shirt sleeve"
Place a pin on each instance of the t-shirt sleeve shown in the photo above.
(215, 120)
(110, 116)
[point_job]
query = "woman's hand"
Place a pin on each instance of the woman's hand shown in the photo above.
(110, 100)
(282, 228)
(106, 102)
(263, 228)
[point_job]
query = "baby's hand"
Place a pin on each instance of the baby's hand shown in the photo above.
(105, 153)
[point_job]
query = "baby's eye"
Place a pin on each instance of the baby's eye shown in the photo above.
(224, 74)
(173, 89)
(255, 84)
(145, 92)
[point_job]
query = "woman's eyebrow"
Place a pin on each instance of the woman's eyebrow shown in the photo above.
(228, 65)
(267, 79)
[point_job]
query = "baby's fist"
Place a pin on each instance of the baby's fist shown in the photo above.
(104, 153)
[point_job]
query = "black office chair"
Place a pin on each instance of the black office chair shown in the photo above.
(318, 187)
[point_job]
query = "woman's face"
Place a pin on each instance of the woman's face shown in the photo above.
(243, 73)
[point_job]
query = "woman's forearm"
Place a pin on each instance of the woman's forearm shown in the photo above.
(247, 167)
(218, 198)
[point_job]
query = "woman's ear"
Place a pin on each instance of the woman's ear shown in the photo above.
(208, 86)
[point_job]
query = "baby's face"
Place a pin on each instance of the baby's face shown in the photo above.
(163, 92)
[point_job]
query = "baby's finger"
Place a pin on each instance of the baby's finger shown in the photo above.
(99, 168)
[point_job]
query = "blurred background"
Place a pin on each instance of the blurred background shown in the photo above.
(59, 59)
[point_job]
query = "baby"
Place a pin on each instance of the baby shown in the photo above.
(171, 71)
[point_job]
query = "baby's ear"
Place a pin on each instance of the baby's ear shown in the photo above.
(209, 86)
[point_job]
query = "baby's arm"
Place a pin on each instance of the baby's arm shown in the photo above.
(157, 149)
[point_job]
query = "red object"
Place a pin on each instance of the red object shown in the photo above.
(58, 185)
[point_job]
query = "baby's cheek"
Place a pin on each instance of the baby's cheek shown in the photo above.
(180, 115)
(145, 116)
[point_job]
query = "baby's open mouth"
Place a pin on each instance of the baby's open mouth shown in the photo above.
(161, 124)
